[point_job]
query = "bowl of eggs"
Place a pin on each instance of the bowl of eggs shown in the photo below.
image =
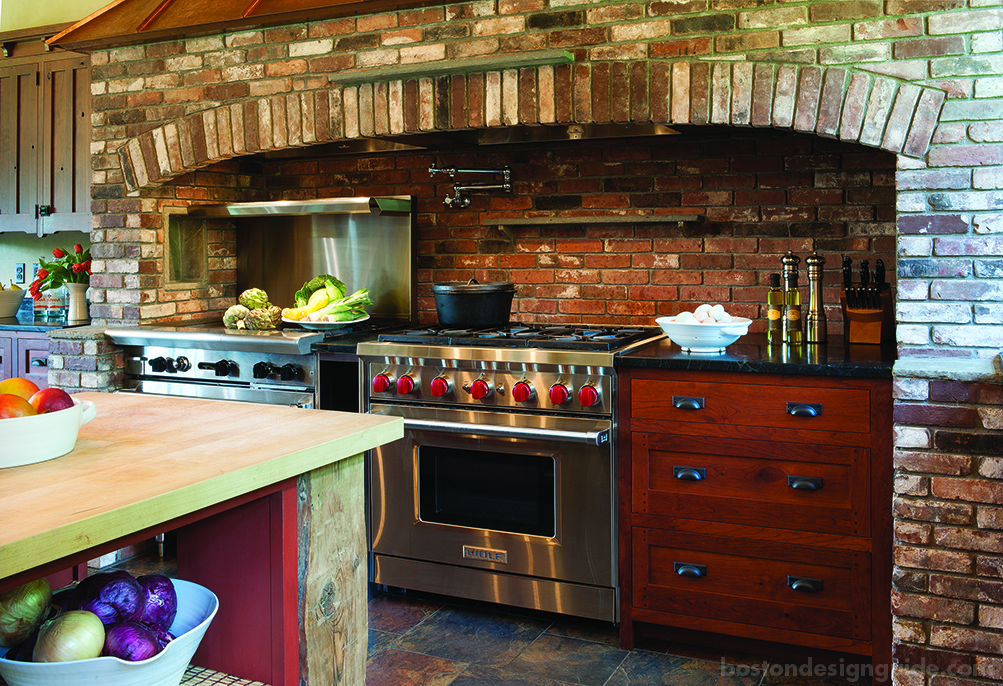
(707, 329)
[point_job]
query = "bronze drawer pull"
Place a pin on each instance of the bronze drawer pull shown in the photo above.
(40, 362)
(805, 483)
(689, 473)
(689, 570)
(804, 409)
(684, 402)
(803, 585)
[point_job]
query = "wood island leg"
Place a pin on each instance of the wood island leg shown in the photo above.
(290, 573)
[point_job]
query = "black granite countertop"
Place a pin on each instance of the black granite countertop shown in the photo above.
(752, 354)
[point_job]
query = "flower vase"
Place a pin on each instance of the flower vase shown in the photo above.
(76, 312)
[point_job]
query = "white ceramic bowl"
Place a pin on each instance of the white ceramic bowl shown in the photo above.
(197, 606)
(704, 338)
(9, 302)
(41, 437)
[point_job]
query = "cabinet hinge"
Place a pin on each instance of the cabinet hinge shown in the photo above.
(43, 210)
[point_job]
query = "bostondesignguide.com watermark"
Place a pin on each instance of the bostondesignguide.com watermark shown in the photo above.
(849, 671)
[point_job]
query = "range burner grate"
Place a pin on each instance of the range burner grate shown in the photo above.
(559, 337)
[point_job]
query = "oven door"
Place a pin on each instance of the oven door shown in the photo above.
(513, 493)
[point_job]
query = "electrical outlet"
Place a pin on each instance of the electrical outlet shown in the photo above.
(34, 271)
(19, 272)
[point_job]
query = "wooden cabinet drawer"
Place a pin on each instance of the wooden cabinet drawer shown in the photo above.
(33, 359)
(774, 484)
(725, 408)
(751, 582)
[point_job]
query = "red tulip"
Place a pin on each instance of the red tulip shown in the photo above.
(57, 253)
(77, 248)
(42, 273)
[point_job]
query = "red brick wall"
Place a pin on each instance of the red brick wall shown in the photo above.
(948, 578)
(762, 193)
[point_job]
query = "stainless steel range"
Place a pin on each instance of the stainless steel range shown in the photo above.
(502, 488)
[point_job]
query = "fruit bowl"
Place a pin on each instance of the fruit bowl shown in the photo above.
(10, 301)
(698, 337)
(197, 606)
(41, 437)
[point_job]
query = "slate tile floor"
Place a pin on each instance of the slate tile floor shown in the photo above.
(425, 640)
(418, 639)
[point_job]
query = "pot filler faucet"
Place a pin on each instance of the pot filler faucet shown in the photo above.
(458, 198)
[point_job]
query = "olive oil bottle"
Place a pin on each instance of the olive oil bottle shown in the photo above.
(775, 311)
(792, 311)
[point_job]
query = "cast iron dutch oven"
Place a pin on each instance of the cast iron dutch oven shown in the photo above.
(473, 305)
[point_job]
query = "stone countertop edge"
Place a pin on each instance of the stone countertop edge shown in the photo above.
(754, 356)
(988, 369)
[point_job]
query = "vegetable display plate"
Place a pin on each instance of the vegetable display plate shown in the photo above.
(41, 437)
(323, 326)
(197, 606)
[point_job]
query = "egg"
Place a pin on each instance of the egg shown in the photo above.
(725, 318)
(717, 311)
(684, 317)
(702, 308)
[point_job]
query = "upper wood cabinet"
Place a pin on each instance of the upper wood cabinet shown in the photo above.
(45, 133)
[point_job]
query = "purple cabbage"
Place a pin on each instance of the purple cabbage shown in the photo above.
(112, 596)
(130, 641)
(161, 605)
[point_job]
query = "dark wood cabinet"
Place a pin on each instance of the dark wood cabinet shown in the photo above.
(45, 133)
(25, 354)
(756, 506)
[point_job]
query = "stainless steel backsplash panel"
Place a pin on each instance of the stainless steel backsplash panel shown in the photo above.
(279, 253)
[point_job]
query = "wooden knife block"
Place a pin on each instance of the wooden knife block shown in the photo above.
(874, 326)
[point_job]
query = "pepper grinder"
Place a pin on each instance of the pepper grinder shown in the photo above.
(815, 323)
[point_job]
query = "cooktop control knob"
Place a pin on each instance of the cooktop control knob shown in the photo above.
(405, 384)
(262, 369)
(158, 364)
(182, 364)
(440, 386)
(289, 372)
(559, 394)
(588, 395)
(220, 367)
(381, 382)
(523, 391)
(480, 389)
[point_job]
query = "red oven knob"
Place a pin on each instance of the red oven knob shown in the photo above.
(405, 384)
(559, 394)
(588, 395)
(440, 386)
(523, 391)
(381, 383)
(480, 389)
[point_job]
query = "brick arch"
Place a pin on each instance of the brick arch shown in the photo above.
(855, 106)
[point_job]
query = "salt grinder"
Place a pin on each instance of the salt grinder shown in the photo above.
(815, 324)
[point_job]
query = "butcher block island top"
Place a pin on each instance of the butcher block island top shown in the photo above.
(267, 505)
(146, 459)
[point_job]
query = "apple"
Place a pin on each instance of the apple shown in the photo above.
(51, 400)
(18, 386)
(15, 406)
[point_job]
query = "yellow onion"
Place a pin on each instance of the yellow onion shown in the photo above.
(73, 635)
(22, 610)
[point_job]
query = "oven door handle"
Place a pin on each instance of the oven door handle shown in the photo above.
(598, 438)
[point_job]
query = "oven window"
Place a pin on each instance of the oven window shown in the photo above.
(484, 490)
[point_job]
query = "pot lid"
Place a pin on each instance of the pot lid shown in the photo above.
(474, 286)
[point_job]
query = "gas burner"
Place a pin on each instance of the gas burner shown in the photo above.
(552, 336)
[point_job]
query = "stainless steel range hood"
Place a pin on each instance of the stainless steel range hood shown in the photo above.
(394, 206)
